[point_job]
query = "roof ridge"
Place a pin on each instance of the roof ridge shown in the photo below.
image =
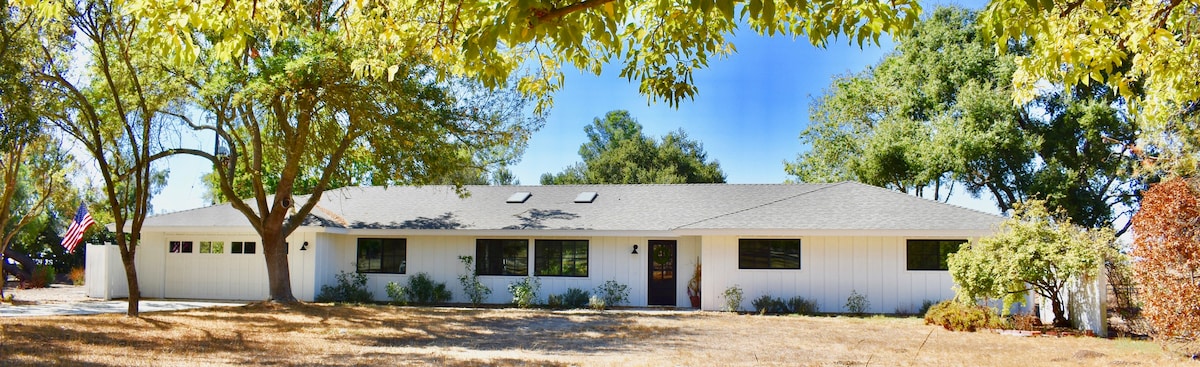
(923, 199)
(821, 187)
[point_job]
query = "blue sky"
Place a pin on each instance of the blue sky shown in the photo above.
(749, 113)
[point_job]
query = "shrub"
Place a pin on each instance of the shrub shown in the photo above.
(423, 290)
(925, 305)
(1169, 259)
(802, 306)
(613, 293)
(77, 276)
(43, 276)
(733, 298)
(596, 303)
(350, 288)
(857, 304)
(475, 290)
(958, 316)
(397, 293)
(525, 291)
(767, 304)
(574, 298)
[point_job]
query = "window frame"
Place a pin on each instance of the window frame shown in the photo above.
(239, 247)
(211, 247)
(543, 257)
(399, 254)
(769, 256)
(499, 265)
(943, 256)
(183, 245)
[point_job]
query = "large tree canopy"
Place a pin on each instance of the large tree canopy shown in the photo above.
(655, 43)
(296, 117)
(1143, 51)
(617, 152)
(936, 114)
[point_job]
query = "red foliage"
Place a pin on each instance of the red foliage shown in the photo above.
(1166, 247)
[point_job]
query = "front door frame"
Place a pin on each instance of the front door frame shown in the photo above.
(662, 293)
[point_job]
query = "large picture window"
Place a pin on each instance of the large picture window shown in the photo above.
(768, 253)
(382, 255)
(931, 254)
(501, 257)
(565, 258)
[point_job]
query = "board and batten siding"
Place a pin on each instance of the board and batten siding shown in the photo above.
(830, 268)
(225, 275)
(609, 258)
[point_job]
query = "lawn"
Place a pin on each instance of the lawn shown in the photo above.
(324, 335)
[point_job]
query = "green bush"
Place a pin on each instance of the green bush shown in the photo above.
(925, 307)
(574, 298)
(802, 306)
(43, 276)
(350, 288)
(613, 293)
(423, 290)
(733, 298)
(767, 304)
(397, 293)
(525, 291)
(857, 303)
(958, 316)
(475, 290)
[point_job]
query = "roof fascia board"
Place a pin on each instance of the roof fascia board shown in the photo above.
(911, 233)
(509, 233)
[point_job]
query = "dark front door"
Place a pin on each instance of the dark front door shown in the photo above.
(662, 274)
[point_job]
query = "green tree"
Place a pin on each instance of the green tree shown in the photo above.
(113, 107)
(1142, 51)
(1035, 250)
(295, 117)
(936, 115)
(656, 44)
(617, 152)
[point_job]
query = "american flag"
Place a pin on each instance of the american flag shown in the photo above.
(82, 221)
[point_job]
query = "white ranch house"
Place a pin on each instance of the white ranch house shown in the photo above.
(819, 241)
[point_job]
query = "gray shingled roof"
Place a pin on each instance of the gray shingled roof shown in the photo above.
(839, 206)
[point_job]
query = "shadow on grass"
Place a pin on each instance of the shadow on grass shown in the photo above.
(271, 334)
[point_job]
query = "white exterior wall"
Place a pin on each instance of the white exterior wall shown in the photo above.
(830, 268)
(609, 258)
(104, 274)
(226, 275)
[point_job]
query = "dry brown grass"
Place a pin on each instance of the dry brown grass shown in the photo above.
(322, 335)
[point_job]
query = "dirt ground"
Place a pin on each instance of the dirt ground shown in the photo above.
(328, 335)
(56, 293)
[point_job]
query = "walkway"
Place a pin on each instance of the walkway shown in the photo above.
(99, 307)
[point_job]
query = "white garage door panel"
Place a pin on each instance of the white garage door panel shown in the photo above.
(215, 276)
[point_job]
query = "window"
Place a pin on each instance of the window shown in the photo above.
(181, 247)
(243, 247)
(212, 247)
(382, 255)
(501, 257)
(768, 253)
(931, 254)
(564, 258)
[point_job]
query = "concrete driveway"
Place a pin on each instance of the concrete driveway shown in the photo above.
(98, 307)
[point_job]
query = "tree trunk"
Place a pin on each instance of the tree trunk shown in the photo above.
(278, 275)
(131, 281)
(1060, 318)
(24, 272)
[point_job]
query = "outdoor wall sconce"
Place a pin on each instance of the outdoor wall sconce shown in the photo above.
(304, 246)
(635, 249)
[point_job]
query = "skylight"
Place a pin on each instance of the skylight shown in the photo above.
(519, 197)
(586, 197)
